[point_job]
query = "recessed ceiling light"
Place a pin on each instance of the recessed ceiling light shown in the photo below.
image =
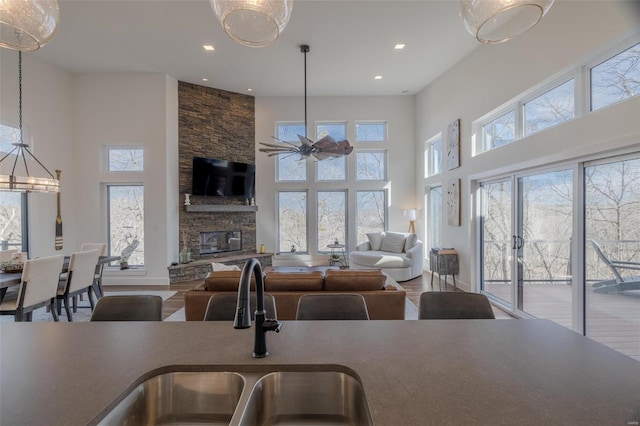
(209, 48)
(399, 46)
(249, 89)
(378, 77)
(205, 79)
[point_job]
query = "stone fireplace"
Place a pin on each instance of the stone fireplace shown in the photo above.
(213, 242)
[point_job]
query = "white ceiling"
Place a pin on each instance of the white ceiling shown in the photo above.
(351, 42)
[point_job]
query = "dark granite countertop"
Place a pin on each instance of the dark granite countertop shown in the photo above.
(525, 372)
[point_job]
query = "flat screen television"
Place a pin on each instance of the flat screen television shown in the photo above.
(221, 178)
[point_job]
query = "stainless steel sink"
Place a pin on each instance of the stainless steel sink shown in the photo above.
(180, 398)
(244, 398)
(299, 398)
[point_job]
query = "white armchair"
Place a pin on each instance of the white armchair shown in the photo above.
(400, 255)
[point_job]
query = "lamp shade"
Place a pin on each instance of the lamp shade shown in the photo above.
(410, 214)
(253, 23)
(496, 21)
(27, 24)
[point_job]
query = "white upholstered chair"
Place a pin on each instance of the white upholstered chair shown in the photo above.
(79, 279)
(102, 251)
(37, 289)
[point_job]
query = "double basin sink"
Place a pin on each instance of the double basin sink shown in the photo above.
(244, 398)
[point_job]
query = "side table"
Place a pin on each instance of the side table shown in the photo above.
(338, 255)
(444, 262)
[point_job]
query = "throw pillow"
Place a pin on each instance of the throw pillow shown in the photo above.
(215, 267)
(410, 242)
(375, 240)
(393, 242)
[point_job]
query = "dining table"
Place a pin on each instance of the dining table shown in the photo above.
(11, 279)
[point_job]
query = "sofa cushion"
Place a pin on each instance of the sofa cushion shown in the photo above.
(375, 240)
(225, 281)
(380, 259)
(294, 281)
(393, 242)
(410, 242)
(356, 280)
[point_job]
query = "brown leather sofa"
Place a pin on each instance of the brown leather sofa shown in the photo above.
(385, 298)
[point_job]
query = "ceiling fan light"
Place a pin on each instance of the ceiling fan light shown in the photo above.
(253, 23)
(27, 24)
(497, 21)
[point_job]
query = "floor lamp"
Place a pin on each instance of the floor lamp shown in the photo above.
(411, 214)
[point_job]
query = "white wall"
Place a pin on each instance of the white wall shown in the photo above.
(129, 109)
(570, 33)
(48, 117)
(397, 111)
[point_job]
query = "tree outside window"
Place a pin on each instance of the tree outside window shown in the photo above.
(126, 222)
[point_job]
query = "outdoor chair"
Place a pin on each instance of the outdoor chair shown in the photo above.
(128, 308)
(332, 307)
(222, 307)
(454, 305)
(620, 283)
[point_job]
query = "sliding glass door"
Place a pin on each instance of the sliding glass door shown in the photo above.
(526, 234)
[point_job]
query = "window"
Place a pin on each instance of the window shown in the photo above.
(337, 131)
(616, 79)
(290, 167)
(500, 131)
(332, 218)
(434, 219)
(433, 156)
(551, 108)
(371, 211)
(370, 165)
(371, 132)
(13, 221)
(292, 221)
(125, 206)
(125, 159)
(332, 169)
(8, 136)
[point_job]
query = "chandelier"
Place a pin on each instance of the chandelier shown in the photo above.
(27, 183)
(325, 148)
(253, 23)
(496, 21)
(27, 24)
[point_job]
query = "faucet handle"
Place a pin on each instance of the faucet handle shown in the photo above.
(272, 325)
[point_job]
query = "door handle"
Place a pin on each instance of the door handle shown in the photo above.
(520, 242)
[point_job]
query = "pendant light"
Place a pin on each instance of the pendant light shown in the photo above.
(26, 183)
(497, 21)
(27, 24)
(253, 23)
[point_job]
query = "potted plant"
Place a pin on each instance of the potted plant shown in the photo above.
(124, 262)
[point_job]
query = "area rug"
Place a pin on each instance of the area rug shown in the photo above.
(84, 312)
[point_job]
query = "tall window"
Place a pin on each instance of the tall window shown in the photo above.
(13, 205)
(292, 221)
(126, 222)
(370, 213)
(332, 218)
(434, 219)
(433, 156)
(290, 167)
(551, 108)
(616, 79)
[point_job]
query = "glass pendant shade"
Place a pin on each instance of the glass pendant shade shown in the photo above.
(253, 23)
(496, 21)
(27, 24)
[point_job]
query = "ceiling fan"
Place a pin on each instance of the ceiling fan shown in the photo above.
(325, 148)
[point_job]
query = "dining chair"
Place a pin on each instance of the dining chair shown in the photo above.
(454, 305)
(128, 308)
(6, 255)
(102, 248)
(222, 306)
(79, 280)
(332, 307)
(38, 287)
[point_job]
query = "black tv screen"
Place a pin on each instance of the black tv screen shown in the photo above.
(221, 178)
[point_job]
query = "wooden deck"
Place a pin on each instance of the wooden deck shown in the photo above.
(612, 319)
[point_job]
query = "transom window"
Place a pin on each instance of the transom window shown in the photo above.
(371, 131)
(551, 108)
(616, 79)
(125, 159)
(499, 131)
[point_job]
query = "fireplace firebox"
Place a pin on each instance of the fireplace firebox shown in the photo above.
(220, 241)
